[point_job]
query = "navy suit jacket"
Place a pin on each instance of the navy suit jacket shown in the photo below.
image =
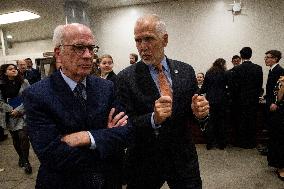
(52, 112)
(248, 79)
(173, 147)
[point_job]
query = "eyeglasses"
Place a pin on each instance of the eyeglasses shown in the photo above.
(80, 49)
(266, 57)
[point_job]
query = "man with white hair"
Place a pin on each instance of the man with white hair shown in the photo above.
(71, 122)
(159, 96)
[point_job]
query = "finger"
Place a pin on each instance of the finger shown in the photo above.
(117, 117)
(165, 99)
(110, 115)
(121, 121)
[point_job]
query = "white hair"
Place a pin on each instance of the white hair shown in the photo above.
(160, 25)
(58, 35)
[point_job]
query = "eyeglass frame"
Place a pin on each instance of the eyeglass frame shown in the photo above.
(92, 48)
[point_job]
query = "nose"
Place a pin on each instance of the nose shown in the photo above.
(88, 53)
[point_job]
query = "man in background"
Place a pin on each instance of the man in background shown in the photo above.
(133, 58)
(236, 60)
(33, 75)
(247, 79)
(271, 59)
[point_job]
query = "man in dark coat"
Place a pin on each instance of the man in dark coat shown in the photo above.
(71, 130)
(163, 149)
(247, 78)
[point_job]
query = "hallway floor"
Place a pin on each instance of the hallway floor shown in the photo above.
(232, 168)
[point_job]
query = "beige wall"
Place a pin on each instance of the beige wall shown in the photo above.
(199, 31)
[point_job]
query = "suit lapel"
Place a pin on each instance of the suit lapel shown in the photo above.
(145, 82)
(174, 70)
(65, 95)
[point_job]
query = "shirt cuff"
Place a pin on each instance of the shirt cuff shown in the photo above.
(154, 126)
(93, 143)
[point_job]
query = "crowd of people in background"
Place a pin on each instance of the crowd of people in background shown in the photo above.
(232, 95)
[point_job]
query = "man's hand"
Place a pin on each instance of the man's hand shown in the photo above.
(273, 107)
(162, 109)
(200, 106)
(118, 120)
(15, 113)
(77, 139)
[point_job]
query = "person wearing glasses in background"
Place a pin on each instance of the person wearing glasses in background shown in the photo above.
(71, 119)
(106, 68)
(272, 58)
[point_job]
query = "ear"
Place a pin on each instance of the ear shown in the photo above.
(165, 39)
(57, 54)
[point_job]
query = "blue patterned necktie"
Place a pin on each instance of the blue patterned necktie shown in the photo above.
(80, 94)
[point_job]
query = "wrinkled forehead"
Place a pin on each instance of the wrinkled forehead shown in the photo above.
(145, 26)
(77, 33)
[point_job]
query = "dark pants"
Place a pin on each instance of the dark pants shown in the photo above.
(216, 130)
(246, 131)
(21, 144)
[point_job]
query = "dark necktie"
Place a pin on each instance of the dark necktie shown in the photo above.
(163, 82)
(80, 94)
(269, 73)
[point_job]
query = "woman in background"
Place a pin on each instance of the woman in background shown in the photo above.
(214, 87)
(12, 85)
(106, 68)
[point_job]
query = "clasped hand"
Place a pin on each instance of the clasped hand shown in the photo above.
(200, 106)
(82, 138)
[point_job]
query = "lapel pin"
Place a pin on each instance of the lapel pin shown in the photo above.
(176, 71)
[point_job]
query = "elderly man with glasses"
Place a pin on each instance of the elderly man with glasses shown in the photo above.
(71, 118)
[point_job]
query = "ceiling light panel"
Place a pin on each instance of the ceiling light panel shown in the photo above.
(19, 16)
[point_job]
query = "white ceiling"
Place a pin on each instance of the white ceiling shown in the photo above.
(52, 14)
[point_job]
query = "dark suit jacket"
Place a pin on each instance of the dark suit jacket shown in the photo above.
(248, 79)
(32, 76)
(173, 148)
(112, 77)
(52, 112)
(272, 79)
(214, 86)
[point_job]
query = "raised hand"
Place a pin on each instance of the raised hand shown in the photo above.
(162, 109)
(200, 106)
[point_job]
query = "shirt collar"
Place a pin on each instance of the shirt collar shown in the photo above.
(71, 83)
(273, 66)
(163, 62)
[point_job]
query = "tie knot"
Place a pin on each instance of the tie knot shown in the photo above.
(159, 67)
(80, 87)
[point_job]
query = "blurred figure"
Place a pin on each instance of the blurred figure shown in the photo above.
(200, 79)
(133, 58)
(214, 87)
(271, 59)
(247, 79)
(106, 68)
(22, 67)
(11, 88)
(32, 75)
(236, 60)
(96, 61)
(275, 155)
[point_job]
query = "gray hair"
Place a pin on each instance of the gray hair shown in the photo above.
(58, 35)
(160, 25)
